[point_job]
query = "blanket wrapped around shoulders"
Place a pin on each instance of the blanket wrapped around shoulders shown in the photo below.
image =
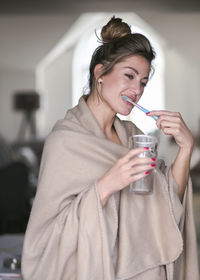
(70, 237)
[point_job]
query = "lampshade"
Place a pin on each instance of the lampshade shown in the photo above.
(27, 100)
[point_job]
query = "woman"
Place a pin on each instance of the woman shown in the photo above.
(84, 223)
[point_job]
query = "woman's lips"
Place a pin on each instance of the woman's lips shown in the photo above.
(128, 103)
(132, 98)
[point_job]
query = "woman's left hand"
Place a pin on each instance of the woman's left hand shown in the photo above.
(172, 123)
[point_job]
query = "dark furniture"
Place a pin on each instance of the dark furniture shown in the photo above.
(14, 198)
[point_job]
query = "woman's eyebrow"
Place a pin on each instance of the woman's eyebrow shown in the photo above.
(136, 71)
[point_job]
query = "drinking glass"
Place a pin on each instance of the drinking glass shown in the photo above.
(145, 184)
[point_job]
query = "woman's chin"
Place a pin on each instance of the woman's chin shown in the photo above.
(124, 112)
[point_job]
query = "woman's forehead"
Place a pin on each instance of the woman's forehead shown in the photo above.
(137, 63)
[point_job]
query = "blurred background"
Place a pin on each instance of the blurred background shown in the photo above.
(45, 50)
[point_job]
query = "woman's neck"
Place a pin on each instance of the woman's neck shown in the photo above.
(104, 116)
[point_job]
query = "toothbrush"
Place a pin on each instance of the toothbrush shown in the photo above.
(138, 106)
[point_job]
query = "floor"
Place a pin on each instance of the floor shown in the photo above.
(10, 249)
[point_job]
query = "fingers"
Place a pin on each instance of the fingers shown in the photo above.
(139, 172)
(140, 169)
(140, 161)
(134, 152)
(138, 176)
(163, 115)
(167, 119)
(172, 123)
(126, 170)
(163, 112)
(132, 159)
(134, 165)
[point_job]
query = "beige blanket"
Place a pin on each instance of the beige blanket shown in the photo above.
(70, 236)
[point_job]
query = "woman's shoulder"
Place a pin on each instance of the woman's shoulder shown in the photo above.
(66, 127)
(68, 123)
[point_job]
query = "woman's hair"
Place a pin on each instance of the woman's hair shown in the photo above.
(118, 43)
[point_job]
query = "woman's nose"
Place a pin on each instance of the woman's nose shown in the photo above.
(136, 87)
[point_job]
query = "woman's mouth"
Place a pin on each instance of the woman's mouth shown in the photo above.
(129, 97)
(133, 98)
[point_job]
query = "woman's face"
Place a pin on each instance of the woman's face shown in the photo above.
(127, 78)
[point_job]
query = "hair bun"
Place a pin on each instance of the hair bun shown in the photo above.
(114, 29)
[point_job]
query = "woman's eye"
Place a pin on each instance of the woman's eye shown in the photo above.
(129, 76)
(143, 84)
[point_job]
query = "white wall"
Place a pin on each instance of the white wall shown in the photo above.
(24, 41)
(56, 90)
(181, 95)
(10, 81)
(182, 87)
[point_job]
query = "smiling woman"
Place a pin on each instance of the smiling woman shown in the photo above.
(84, 222)
(120, 66)
(128, 77)
(88, 41)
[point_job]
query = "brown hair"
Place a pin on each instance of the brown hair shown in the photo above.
(118, 43)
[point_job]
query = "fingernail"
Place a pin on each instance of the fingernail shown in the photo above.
(147, 113)
(153, 159)
(146, 148)
(153, 165)
(147, 172)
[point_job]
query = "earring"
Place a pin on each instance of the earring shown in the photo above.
(100, 82)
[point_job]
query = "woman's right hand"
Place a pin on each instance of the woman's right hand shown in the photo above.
(126, 170)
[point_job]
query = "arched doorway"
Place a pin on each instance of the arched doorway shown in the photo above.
(64, 70)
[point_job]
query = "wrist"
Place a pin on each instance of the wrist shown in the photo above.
(186, 150)
(103, 192)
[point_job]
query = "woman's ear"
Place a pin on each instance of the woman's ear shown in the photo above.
(98, 69)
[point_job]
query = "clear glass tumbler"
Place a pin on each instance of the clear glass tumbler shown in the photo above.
(145, 184)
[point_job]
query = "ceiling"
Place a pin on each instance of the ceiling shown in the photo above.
(30, 29)
(64, 6)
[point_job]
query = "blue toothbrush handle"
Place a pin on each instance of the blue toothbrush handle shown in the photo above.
(139, 107)
(147, 111)
(144, 110)
(155, 117)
